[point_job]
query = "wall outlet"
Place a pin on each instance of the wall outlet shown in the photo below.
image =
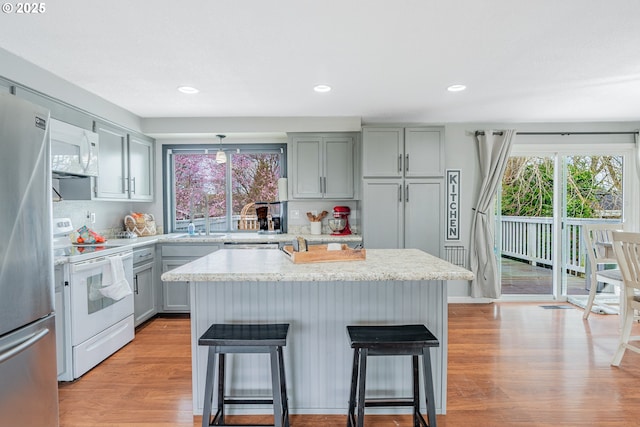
(295, 214)
(93, 217)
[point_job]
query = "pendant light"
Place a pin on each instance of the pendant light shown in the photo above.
(221, 157)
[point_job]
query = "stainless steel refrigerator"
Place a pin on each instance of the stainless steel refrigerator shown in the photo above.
(28, 371)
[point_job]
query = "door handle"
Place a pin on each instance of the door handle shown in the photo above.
(406, 163)
(135, 284)
(400, 163)
(86, 143)
(400, 193)
(406, 194)
(133, 185)
(23, 345)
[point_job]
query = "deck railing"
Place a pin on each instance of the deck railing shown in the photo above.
(529, 239)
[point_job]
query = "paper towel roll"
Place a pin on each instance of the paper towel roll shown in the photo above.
(282, 189)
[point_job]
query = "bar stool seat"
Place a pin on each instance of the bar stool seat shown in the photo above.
(227, 338)
(391, 340)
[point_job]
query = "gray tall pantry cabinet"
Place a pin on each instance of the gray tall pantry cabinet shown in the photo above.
(403, 183)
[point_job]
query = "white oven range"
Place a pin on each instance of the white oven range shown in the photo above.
(96, 323)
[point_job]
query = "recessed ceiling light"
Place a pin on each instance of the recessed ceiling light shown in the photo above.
(322, 88)
(188, 89)
(456, 88)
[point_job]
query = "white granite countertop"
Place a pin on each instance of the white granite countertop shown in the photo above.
(258, 238)
(223, 238)
(256, 265)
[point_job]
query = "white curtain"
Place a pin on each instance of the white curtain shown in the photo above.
(637, 139)
(493, 151)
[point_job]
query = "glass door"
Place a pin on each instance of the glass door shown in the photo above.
(526, 225)
(544, 201)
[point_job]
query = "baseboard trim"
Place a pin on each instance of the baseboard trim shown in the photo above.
(469, 300)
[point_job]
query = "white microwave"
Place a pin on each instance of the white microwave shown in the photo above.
(74, 151)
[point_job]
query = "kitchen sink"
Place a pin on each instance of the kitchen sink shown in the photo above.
(198, 236)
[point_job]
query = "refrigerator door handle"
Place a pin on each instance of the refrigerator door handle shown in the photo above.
(23, 345)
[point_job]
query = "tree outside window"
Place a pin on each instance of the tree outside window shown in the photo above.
(206, 190)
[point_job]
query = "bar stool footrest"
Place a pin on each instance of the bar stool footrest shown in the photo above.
(243, 401)
(389, 402)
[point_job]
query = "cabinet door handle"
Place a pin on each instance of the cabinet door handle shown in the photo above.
(406, 163)
(324, 182)
(133, 185)
(400, 163)
(399, 193)
(135, 284)
(321, 185)
(406, 194)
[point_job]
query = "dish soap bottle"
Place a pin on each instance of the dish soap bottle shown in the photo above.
(191, 229)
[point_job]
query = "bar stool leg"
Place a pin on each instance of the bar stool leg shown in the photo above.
(428, 386)
(362, 379)
(219, 420)
(354, 386)
(208, 388)
(416, 391)
(283, 388)
(276, 386)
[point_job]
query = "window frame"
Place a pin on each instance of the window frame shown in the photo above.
(168, 177)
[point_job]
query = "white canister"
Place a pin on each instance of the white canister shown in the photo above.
(316, 227)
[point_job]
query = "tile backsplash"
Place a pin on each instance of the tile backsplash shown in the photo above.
(109, 215)
(301, 223)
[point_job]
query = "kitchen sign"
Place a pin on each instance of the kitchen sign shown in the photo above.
(453, 204)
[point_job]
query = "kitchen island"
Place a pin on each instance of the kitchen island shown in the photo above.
(318, 300)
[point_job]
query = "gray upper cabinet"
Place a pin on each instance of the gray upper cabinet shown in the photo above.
(416, 152)
(423, 153)
(322, 166)
(382, 152)
(113, 178)
(140, 168)
(125, 165)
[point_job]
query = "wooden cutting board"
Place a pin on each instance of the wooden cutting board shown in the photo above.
(319, 253)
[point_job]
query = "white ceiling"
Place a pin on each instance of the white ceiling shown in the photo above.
(387, 60)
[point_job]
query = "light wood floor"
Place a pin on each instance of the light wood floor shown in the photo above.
(510, 364)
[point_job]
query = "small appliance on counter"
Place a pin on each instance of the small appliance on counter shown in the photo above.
(270, 217)
(339, 224)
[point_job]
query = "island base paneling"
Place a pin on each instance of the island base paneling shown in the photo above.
(317, 355)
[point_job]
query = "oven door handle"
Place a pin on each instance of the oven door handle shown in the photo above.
(91, 264)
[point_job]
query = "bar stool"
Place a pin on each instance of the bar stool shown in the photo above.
(225, 339)
(412, 340)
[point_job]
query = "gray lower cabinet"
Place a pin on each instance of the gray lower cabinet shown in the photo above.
(403, 214)
(61, 348)
(175, 295)
(144, 273)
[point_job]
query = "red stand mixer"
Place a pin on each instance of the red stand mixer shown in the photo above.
(339, 224)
